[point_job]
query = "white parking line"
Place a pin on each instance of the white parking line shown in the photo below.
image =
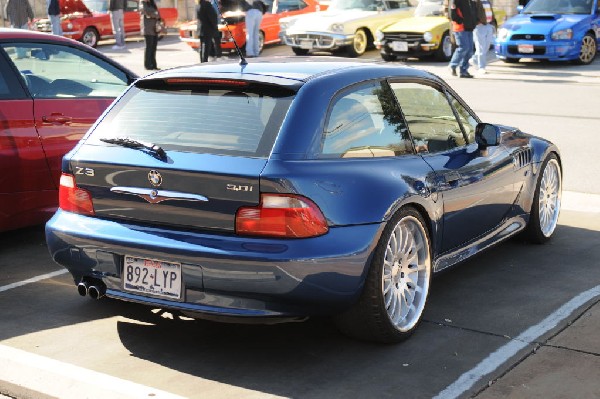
(501, 355)
(30, 375)
(32, 280)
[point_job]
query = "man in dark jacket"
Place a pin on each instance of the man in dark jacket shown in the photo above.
(19, 13)
(463, 14)
(54, 16)
(209, 29)
(116, 9)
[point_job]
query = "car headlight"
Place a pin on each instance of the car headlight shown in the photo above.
(564, 34)
(378, 35)
(502, 34)
(337, 28)
(427, 36)
(69, 26)
(283, 25)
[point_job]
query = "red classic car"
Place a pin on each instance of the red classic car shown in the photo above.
(88, 20)
(233, 13)
(52, 89)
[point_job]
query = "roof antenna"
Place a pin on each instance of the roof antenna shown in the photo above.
(243, 61)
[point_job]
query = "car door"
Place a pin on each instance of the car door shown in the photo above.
(70, 89)
(26, 187)
(477, 187)
(131, 17)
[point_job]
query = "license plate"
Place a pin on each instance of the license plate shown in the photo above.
(306, 44)
(400, 46)
(151, 276)
(525, 48)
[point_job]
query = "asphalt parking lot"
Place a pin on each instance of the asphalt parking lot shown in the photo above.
(519, 321)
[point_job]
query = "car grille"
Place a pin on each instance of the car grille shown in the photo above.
(318, 40)
(43, 26)
(538, 38)
(537, 50)
(404, 37)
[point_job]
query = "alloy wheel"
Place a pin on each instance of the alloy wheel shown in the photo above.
(550, 197)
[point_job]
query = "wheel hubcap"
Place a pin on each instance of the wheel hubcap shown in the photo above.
(588, 49)
(549, 198)
(447, 47)
(360, 42)
(406, 269)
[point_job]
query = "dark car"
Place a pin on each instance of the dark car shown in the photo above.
(52, 89)
(334, 188)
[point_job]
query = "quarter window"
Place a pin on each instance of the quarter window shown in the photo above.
(430, 118)
(366, 123)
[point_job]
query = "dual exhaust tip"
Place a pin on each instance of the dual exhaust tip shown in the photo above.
(94, 288)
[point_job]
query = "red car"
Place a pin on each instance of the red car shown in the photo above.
(52, 89)
(233, 14)
(88, 20)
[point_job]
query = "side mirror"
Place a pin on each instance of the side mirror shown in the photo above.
(520, 9)
(487, 135)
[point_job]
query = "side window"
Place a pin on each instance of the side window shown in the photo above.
(365, 122)
(291, 5)
(430, 119)
(54, 71)
(131, 5)
(467, 120)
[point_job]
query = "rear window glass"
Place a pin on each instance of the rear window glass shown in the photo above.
(219, 120)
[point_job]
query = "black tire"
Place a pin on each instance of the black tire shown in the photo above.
(388, 57)
(444, 52)
(540, 229)
(588, 50)
(511, 60)
(90, 36)
(371, 318)
(359, 45)
(299, 51)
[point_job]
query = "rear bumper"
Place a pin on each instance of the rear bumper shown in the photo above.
(222, 275)
(545, 50)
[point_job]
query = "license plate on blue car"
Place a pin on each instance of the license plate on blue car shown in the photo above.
(152, 276)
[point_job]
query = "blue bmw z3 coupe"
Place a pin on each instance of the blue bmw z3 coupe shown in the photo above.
(280, 190)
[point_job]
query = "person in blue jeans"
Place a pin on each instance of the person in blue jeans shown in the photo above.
(463, 14)
(253, 19)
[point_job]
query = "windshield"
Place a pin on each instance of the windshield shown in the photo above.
(96, 5)
(559, 7)
(429, 9)
(365, 5)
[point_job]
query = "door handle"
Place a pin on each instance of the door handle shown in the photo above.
(56, 119)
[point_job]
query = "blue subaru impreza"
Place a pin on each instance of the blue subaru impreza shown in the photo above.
(554, 30)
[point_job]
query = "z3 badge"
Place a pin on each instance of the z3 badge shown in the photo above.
(84, 171)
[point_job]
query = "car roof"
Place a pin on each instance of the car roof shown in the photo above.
(296, 70)
(11, 33)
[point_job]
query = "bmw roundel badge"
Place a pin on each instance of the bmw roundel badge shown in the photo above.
(154, 178)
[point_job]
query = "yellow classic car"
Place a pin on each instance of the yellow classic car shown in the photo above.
(426, 34)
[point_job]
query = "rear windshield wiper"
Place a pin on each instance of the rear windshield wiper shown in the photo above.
(131, 143)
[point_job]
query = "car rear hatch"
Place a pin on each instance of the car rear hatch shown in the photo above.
(181, 152)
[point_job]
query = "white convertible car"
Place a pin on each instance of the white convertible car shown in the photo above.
(346, 25)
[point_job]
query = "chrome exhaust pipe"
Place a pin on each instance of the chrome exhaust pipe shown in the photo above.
(82, 288)
(97, 291)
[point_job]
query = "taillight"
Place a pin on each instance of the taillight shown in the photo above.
(281, 215)
(72, 198)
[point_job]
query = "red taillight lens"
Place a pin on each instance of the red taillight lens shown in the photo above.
(72, 198)
(280, 215)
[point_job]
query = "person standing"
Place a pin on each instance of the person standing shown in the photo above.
(463, 14)
(19, 13)
(149, 18)
(483, 35)
(53, 9)
(253, 19)
(116, 9)
(209, 29)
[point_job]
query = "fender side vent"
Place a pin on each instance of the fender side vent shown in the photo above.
(522, 158)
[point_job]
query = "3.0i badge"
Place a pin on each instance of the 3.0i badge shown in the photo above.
(154, 178)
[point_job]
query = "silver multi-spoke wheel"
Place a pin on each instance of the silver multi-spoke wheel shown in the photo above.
(395, 292)
(549, 197)
(406, 273)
